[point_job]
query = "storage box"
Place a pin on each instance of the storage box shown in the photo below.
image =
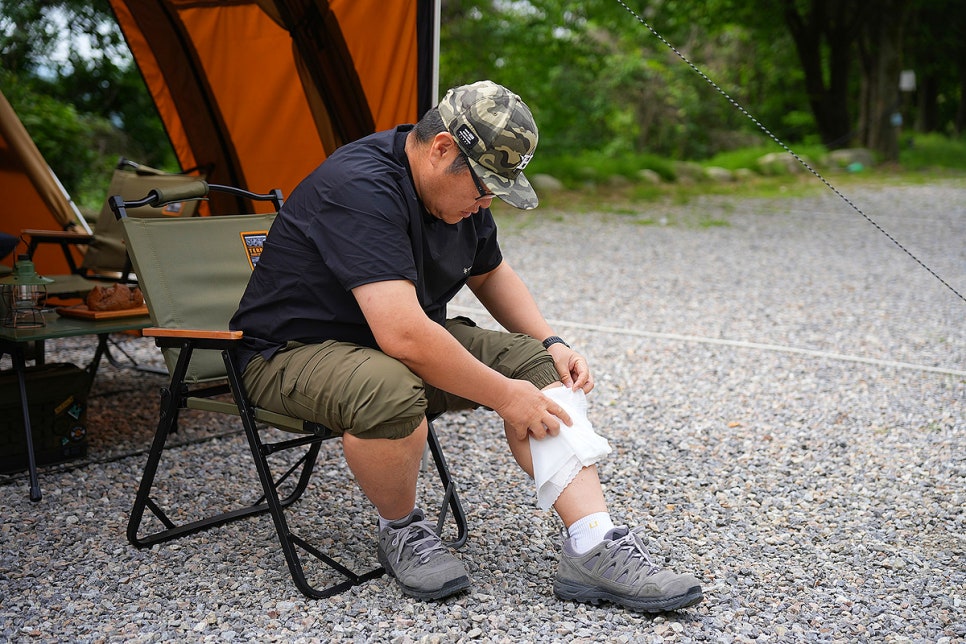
(57, 395)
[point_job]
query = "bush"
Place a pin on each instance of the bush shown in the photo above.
(593, 167)
(748, 157)
(930, 151)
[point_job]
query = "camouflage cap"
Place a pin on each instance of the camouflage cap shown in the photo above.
(495, 129)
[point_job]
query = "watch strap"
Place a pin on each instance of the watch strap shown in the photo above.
(554, 340)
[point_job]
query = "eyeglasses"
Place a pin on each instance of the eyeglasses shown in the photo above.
(476, 180)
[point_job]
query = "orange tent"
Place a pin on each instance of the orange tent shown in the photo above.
(263, 90)
(32, 195)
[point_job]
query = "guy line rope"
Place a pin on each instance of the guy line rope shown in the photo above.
(740, 344)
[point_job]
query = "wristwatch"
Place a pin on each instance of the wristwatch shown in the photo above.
(554, 340)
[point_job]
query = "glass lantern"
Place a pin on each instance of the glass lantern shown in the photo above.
(23, 291)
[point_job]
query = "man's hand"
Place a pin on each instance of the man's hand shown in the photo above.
(528, 411)
(572, 367)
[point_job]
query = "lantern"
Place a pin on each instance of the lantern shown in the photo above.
(23, 291)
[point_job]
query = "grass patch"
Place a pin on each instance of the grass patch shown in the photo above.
(596, 182)
(931, 152)
(637, 199)
(747, 158)
(577, 171)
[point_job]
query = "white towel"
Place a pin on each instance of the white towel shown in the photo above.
(558, 459)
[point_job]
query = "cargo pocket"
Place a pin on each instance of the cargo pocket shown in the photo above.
(306, 384)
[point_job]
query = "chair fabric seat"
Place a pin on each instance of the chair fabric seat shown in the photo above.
(280, 421)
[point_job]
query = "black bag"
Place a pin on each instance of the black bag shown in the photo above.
(57, 394)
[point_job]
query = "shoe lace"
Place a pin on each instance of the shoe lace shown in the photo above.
(636, 559)
(421, 537)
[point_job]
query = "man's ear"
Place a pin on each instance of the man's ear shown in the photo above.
(442, 148)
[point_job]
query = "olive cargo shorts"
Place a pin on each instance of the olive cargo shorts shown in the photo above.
(362, 391)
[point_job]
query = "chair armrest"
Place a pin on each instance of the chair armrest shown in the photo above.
(57, 236)
(200, 334)
(63, 238)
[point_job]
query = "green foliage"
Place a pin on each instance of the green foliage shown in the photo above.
(609, 93)
(593, 167)
(537, 48)
(747, 158)
(932, 151)
(62, 134)
(85, 106)
(598, 79)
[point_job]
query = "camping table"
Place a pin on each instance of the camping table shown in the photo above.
(13, 341)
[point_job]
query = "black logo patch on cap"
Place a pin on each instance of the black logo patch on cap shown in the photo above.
(466, 136)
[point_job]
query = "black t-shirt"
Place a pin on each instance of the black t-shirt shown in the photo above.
(356, 220)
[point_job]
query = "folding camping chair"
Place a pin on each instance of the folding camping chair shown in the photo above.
(104, 257)
(193, 273)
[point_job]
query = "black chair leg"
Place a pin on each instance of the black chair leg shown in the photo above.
(451, 499)
(171, 400)
(290, 542)
(166, 424)
(270, 501)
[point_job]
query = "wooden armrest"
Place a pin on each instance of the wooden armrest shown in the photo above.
(58, 236)
(207, 334)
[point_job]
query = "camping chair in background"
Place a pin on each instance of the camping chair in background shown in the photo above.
(104, 258)
(193, 273)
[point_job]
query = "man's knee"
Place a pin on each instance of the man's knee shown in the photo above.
(515, 355)
(383, 399)
(530, 361)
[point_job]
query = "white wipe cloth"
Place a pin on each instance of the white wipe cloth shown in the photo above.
(558, 459)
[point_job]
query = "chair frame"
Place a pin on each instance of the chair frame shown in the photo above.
(180, 395)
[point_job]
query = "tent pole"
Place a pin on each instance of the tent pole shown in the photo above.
(436, 25)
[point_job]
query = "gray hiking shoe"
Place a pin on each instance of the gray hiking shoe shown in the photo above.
(618, 570)
(412, 552)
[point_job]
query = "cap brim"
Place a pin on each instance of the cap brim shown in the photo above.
(516, 191)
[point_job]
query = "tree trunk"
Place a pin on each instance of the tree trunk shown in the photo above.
(961, 110)
(927, 104)
(880, 53)
(828, 25)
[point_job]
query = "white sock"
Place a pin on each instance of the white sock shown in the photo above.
(588, 532)
(383, 522)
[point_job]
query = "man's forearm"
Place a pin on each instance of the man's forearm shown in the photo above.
(438, 358)
(403, 331)
(510, 302)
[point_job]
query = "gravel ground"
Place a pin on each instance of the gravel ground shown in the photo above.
(783, 389)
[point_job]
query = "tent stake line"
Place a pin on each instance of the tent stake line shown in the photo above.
(740, 344)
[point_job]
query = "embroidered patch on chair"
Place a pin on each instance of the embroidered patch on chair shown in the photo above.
(254, 241)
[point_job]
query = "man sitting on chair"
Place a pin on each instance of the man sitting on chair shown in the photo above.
(345, 324)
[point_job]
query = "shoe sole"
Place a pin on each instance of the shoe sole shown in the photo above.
(451, 587)
(578, 593)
